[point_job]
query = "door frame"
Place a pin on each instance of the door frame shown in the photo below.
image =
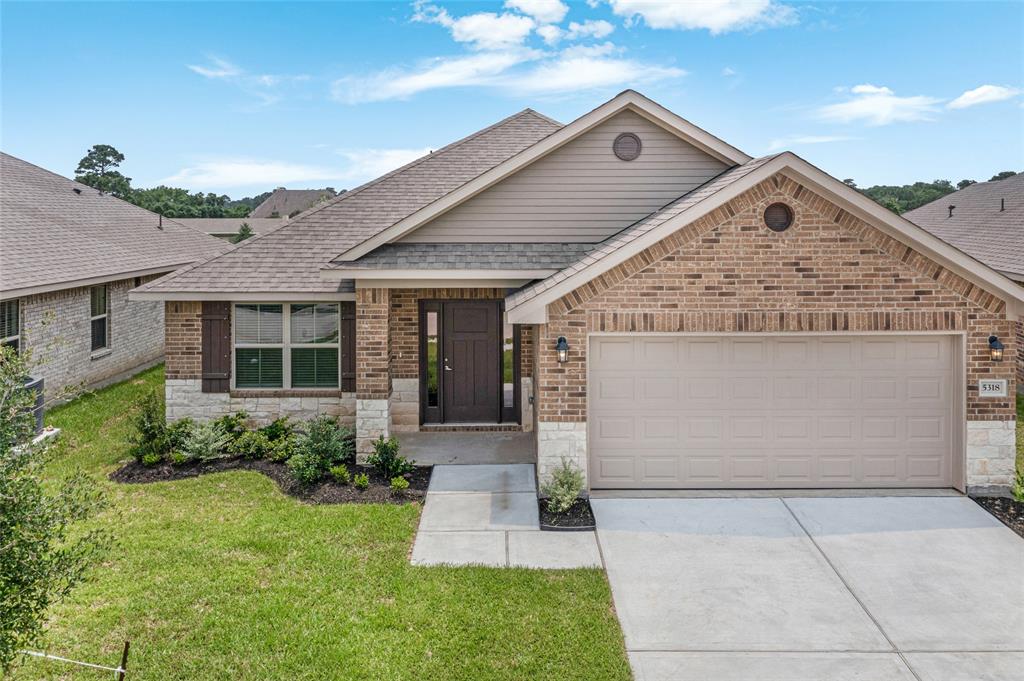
(434, 415)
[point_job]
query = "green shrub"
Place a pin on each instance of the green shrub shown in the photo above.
(206, 442)
(340, 474)
(305, 469)
(328, 442)
(278, 429)
(179, 432)
(564, 487)
(252, 444)
(386, 458)
(361, 481)
(282, 450)
(150, 441)
(1018, 487)
(233, 425)
(399, 484)
(179, 458)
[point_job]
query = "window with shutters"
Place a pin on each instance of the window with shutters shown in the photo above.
(295, 345)
(99, 317)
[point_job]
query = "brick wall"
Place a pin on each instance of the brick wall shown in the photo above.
(526, 351)
(1020, 356)
(183, 339)
(56, 326)
(373, 379)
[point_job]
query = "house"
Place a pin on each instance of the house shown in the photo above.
(287, 203)
(68, 257)
(647, 300)
(226, 228)
(986, 221)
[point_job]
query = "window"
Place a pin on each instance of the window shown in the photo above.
(99, 317)
(304, 353)
(10, 326)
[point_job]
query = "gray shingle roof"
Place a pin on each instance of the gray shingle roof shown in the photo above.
(978, 227)
(640, 228)
(482, 256)
(289, 258)
(54, 230)
(284, 202)
(231, 225)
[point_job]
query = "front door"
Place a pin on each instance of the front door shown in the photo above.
(471, 361)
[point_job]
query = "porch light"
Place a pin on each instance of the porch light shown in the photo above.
(995, 349)
(562, 348)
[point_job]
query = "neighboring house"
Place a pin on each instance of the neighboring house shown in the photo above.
(985, 221)
(287, 203)
(68, 257)
(657, 306)
(226, 228)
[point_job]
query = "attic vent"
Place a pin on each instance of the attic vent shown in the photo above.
(778, 217)
(626, 146)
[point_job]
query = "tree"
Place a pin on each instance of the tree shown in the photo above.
(965, 183)
(901, 198)
(850, 183)
(44, 553)
(1002, 176)
(97, 169)
(174, 202)
(244, 232)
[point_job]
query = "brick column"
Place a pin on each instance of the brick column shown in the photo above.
(561, 391)
(373, 371)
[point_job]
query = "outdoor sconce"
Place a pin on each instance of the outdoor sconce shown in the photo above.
(995, 349)
(562, 348)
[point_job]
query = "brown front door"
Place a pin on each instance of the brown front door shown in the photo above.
(471, 361)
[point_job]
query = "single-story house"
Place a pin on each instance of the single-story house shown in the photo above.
(225, 228)
(287, 203)
(69, 254)
(655, 305)
(985, 220)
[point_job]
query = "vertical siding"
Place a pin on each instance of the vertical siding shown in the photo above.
(580, 193)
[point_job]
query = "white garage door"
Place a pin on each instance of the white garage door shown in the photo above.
(771, 411)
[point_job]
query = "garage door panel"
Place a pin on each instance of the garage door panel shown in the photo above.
(800, 411)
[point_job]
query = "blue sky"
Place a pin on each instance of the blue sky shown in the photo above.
(241, 97)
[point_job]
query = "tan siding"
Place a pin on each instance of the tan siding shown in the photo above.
(581, 192)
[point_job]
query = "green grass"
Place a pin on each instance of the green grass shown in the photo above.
(224, 577)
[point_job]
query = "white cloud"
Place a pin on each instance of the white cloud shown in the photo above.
(218, 68)
(367, 164)
(264, 86)
(483, 31)
(717, 16)
(876, 106)
(544, 11)
(728, 71)
(550, 33)
(803, 140)
(591, 28)
(218, 174)
(576, 71)
(984, 94)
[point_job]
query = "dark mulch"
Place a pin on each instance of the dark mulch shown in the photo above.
(326, 492)
(578, 517)
(1009, 511)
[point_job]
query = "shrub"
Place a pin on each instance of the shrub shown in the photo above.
(340, 474)
(1018, 487)
(361, 481)
(386, 458)
(179, 432)
(252, 444)
(151, 440)
(206, 442)
(278, 429)
(399, 484)
(282, 450)
(327, 441)
(305, 469)
(564, 487)
(179, 458)
(233, 425)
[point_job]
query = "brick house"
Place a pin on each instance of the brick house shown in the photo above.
(68, 257)
(650, 302)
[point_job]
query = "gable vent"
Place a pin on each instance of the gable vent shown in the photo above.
(626, 146)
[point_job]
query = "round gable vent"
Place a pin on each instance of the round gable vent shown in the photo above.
(626, 146)
(778, 217)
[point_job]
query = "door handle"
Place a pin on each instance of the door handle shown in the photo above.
(446, 367)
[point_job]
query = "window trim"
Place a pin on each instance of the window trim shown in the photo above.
(286, 347)
(14, 340)
(105, 316)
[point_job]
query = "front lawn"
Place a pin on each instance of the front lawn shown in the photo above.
(224, 577)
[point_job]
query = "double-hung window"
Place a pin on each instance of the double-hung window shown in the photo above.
(287, 345)
(10, 324)
(99, 317)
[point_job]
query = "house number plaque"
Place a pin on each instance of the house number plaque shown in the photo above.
(992, 387)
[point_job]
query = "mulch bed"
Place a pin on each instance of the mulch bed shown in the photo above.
(1009, 511)
(326, 492)
(578, 517)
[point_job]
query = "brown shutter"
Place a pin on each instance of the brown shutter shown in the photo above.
(348, 347)
(216, 347)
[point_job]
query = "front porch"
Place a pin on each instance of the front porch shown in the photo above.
(431, 448)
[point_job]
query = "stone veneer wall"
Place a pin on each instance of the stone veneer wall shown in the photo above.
(56, 326)
(726, 272)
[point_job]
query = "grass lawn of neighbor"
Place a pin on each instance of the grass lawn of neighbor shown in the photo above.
(224, 577)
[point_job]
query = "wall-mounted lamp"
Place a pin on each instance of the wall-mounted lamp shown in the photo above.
(562, 348)
(995, 348)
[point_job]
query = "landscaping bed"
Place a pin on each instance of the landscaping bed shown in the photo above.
(325, 492)
(1009, 511)
(578, 517)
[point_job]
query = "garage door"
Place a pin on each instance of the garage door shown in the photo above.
(771, 411)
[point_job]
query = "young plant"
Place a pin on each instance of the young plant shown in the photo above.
(328, 442)
(305, 469)
(386, 458)
(278, 429)
(179, 432)
(151, 441)
(233, 425)
(206, 442)
(282, 450)
(564, 487)
(1018, 487)
(361, 481)
(399, 485)
(252, 444)
(340, 474)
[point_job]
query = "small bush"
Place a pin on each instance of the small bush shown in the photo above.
(327, 441)
(282, 450)
(151, 458)
(252, 444)
(179, 458)
(399, 484)
(387, 460)
(233, 425)
(305, 469)
(150, 441)
(361, 481)
(278, 429)
(1018, 487)
(564, 487)
(179, 432)
(206, 442)
(340, 474)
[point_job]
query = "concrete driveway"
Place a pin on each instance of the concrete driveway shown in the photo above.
(815, 589)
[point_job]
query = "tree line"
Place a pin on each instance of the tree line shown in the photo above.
(901, 198)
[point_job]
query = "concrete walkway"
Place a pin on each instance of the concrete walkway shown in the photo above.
(826, 589)
(487, 515)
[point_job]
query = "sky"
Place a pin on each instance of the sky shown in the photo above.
(240, 97)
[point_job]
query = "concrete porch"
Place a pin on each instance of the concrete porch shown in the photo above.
(479, 447)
